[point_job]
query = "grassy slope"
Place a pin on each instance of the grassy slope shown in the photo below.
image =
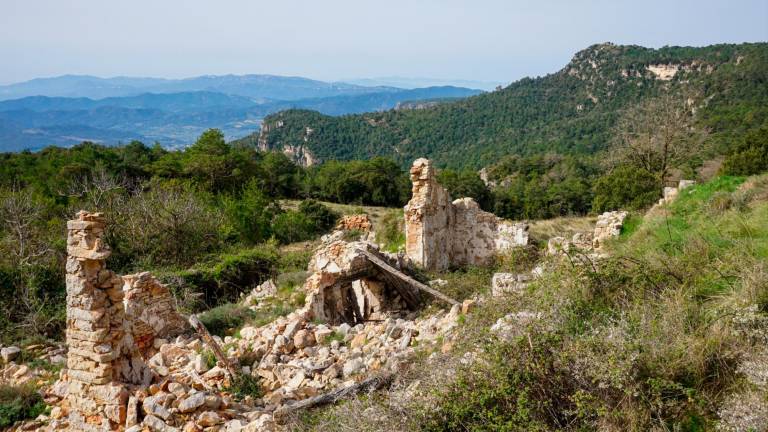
(654, 338)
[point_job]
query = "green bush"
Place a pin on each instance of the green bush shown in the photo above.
(626, 188)
(224, 277)
(224, 319)
(391, 231)
(19, 403)
(245, 385)
(293, 226)
(320, 215)
(749, 157)
(518, 386)
(249, 215)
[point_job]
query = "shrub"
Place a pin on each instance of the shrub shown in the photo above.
(19, 403)
(625, 187)
(391, 231)
(223, 319)
(245, 385)
(517, 386)
(249, 215)
(319, 215)
(292, 226)
(749, 157)
(224, 277)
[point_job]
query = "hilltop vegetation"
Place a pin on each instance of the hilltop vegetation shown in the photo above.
(573, 111)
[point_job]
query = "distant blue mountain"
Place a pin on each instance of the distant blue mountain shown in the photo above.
(253, 86)
(173, 119)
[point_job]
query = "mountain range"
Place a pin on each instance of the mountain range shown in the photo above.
(69, 109)
(571, 111)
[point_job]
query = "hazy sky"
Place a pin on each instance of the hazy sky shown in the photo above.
(492, 40)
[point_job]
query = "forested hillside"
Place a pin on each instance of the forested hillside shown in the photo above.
(573, 111)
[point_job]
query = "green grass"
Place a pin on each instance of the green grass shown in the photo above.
(19, 403)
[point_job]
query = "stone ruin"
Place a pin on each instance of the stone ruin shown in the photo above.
(670, 192)
(441, 233)
(112, 322)
(347, 286)
(608, 226)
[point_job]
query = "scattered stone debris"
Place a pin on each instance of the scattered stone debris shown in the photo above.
(133, 363)
(254, 299)
(441, 233)
(509, 283)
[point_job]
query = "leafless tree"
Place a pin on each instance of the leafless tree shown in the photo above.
(20, 212)
(97, 188)
(659, 134)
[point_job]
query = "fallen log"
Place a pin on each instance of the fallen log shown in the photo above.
(395, 273)
(367, 385)
(211, 342)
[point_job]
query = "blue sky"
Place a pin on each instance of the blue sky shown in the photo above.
(489, 40)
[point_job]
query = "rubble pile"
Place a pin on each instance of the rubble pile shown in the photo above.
(133, 364)
(355, 222)
(608, 226)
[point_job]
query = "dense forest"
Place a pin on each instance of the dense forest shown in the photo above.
(573, 111)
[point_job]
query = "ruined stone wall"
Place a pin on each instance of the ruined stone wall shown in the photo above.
(608, 225)
(440, 233)
(344, 286)
(150, 310)
(428, 216)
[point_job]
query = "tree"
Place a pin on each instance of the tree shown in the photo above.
(658, 134)
(626, 187)
(749, 157)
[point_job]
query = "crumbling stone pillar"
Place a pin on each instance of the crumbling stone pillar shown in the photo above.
(440, 233)
(428, 218)
(95, 329)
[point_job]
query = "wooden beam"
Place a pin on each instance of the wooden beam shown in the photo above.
(368, 385)
(211, 342)
(391, 271)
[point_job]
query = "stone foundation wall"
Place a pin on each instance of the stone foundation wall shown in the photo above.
(440, 233)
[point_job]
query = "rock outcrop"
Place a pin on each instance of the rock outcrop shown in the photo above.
(441, 233)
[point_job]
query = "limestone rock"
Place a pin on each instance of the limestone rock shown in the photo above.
(10, 353)
(508, 283)
(192, 402)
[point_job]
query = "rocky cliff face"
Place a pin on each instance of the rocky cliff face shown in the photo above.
(300, 154)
